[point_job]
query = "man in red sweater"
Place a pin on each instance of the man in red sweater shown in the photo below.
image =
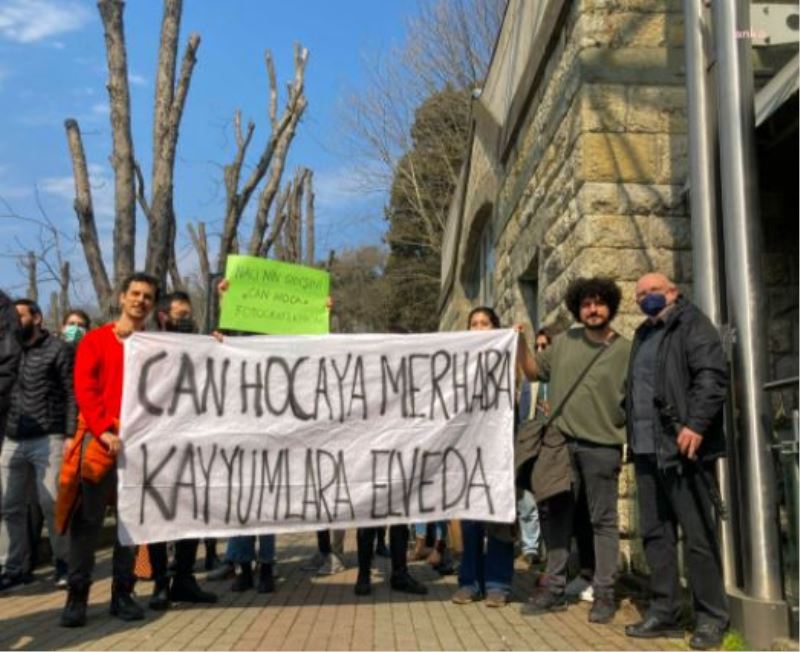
(98, 392)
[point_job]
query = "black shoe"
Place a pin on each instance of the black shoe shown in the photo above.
(74, 614)
(244, 580)
(652, 627)
(266, 582)
(544, 601)
(186, 589)
(363, 585)
(9, 581)
(159, 601)
(707, 636)
(603, 609)
(123, 604)
(212, 562)
(405, 583)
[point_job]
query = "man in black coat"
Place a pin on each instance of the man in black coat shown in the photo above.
(675, 392)
(41, 417)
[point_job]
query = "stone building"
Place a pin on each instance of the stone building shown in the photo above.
(578, 165)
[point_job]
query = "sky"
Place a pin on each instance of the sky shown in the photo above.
(52, 67)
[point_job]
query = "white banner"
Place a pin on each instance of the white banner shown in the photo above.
(275, 434)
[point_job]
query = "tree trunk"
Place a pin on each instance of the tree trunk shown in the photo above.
(160, 257)
(87, 229)
(122, 153)
(33, 284)
(63, 288)
(309, 192)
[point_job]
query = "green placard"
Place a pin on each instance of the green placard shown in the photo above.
(268, 296)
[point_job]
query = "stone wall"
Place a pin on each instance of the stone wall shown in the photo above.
(594, 179)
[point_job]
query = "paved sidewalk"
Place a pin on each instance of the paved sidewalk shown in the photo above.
(312, 613)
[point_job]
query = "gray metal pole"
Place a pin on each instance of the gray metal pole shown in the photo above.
(703, 209)
(745, 291)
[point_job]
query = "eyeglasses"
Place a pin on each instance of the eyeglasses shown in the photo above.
(540, 347)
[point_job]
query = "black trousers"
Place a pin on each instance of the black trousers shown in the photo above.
(84, 531)
(680, 496)
(398, 547)
(595, 470)
(185, 556)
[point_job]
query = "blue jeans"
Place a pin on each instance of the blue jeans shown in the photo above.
(488, 567)
(528, 523)
(421, 530)
(242, 550)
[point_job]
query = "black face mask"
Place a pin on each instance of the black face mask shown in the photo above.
(26, 332)
(182, 325)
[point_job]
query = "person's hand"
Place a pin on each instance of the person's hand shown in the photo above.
(329, 302)
(67, 444)
(112, 442)
(689, 442)
(544, 406)
(217, 336)
(222, 286)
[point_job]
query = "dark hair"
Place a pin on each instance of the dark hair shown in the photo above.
(166, 301)
(486, 310)
(76, 311)
(141, 277)
(596, 287)
(33, 307)
(543, 332)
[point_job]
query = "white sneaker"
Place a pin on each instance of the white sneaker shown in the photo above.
(331, 565)
(587, 595)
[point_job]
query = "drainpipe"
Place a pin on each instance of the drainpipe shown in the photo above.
(762, 609)
(703, 209)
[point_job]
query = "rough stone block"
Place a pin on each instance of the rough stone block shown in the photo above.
(619, 157)
(673, 166)
(604, 107)
(657, 109)
(623, 29)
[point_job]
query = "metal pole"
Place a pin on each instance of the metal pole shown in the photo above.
(745, 291)
(703, 210)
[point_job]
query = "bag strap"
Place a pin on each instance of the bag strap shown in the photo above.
(577, 382)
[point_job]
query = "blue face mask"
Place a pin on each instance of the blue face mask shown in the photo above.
(653, 303)
(74, 333)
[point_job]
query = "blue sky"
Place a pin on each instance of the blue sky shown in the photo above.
(52, 66)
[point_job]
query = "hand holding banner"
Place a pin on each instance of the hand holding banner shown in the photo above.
(269, 296)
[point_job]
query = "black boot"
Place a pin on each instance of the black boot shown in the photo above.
(405, 583)
(363, 584)
(74, 614)
(186, 589)
(244, 580)
(266, 582)
(159, 601)
(123, 604)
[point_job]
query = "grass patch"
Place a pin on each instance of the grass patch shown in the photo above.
(734, 641)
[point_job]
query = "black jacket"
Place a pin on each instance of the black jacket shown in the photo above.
(9, 350)
(42, 398)
(691, 382)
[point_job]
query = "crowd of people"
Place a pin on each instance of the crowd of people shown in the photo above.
(585, 396)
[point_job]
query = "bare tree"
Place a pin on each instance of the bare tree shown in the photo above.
(447, 52)
(309, 194)
(271, 160)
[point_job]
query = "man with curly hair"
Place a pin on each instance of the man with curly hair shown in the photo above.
(587, 366)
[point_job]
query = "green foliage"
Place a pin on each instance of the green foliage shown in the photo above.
(359, 291)
(734, 641)
(422, 187)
